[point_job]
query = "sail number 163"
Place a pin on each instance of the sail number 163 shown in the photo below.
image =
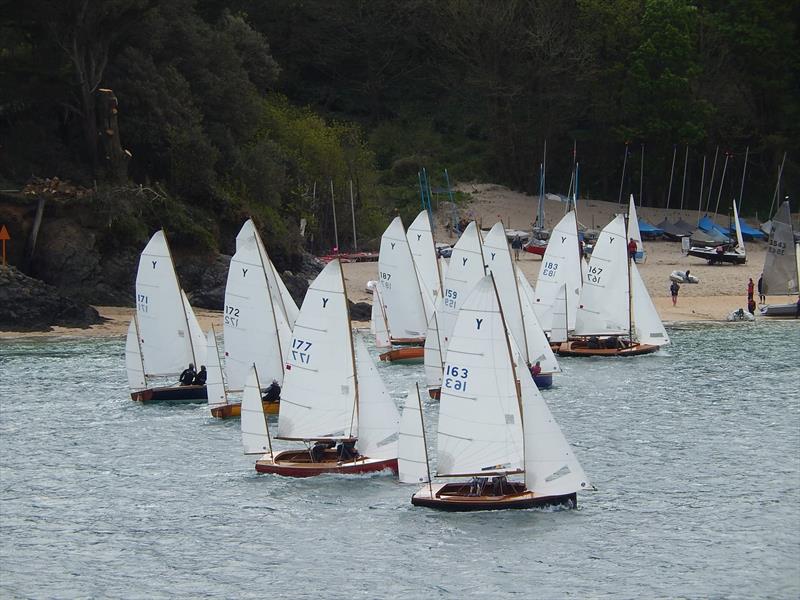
(456, 378)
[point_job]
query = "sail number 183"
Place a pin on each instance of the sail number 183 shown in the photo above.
(456, 378)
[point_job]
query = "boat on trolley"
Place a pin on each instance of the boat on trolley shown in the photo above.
(782, 266)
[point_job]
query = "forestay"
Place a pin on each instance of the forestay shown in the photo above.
(255, 330)
(604, 302)
(133, 359)
(166, 340)
(480, 426)
(561, 265)
(255, 435)
(412, 459)
(318, 399)
(378, 417)
(399, 285)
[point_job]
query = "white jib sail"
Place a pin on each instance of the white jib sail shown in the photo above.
(558, 333)
(604, 302)
(399, 285)
(378, 325)
(738, 227)
(255, 436)
(412, 459)
(633, 226)
(319, 393)
(561, 265)
(538, 344)
(254, 331)
(649, 328)
(480, 426)
(163, 327)
(215, 385)
(551, 468)
(780, 264)
(420, 242)
(465, 269)
(133, 359)
(378, 417)
(197, 337)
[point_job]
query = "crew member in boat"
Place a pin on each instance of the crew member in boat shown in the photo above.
(347, 450)
(273, 393)
(187, 376)
(593, 342)
(536, 369)
(202, 375)
(319, 448)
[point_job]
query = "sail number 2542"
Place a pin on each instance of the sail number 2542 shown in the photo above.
(456, 378)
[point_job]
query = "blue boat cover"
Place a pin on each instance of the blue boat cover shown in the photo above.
(647, 229)
(706, 224)
(748, 233)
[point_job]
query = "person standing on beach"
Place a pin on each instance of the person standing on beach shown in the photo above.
(674, 289)
(750, 289)
(632, 249)
(516, 244)
(762, 299)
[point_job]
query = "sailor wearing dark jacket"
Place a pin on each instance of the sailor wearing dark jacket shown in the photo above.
(187, 377)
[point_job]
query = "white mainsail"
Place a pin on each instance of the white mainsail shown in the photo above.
(558, 331)
(318, 399)
(255, 435)
(412, 456)
(480, 425)
(215, 385)
(781, 271)
(423, 249)
(561, 265)
(604, 301)
(255, 330)
(739, 239)
(164, 331)
(399, 284)
(551, 468)
(517, 309)
(433, 351)
(648, 326)
(378, 417)
(195, 331)
(134, 366)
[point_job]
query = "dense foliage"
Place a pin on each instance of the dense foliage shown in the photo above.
(244, 107)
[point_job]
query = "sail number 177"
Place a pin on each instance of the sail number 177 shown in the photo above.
(300, 351)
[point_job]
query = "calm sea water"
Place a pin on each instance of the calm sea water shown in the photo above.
(695, 453)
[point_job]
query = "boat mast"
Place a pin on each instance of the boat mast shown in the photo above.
(744, 171)
(266, 422)
(683, 185)
(519, 304)
(424, 440)
(671, 173)
(354, 415)
(628, 261)
(271, 302)
(183, 304)
(139, 345)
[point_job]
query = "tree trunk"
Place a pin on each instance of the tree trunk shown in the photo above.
(114, 157)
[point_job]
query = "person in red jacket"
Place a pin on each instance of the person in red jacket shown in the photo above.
(536, 369)
(632, 249)
(750, 289)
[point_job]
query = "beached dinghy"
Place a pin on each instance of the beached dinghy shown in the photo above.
(724, 252)
(164, 336)
(494, 424)
(782, 266)
(258, 318)
(615, 316)
(333, 400)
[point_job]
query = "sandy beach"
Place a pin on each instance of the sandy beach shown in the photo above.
(722, 288)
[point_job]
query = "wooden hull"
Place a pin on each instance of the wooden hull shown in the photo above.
(544, 381)
(435, 393)
(455, 497)
(713, 257)
(410, 355)
(580, 348)
(234, 409)
(297, 463)
(181, 394)
(417, 341)
(789, 310)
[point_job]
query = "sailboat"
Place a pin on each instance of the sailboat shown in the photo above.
(634, 233)
(423, 249)
(517, 307)
(466, 268)
(614, 304)
(164, 336)
(782, 265)
(401, 295)
(724, 252)
(412, 453)
(257, 318)
(332, 393)
(493, 423)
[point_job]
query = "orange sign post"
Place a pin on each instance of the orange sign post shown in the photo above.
(3, 237)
